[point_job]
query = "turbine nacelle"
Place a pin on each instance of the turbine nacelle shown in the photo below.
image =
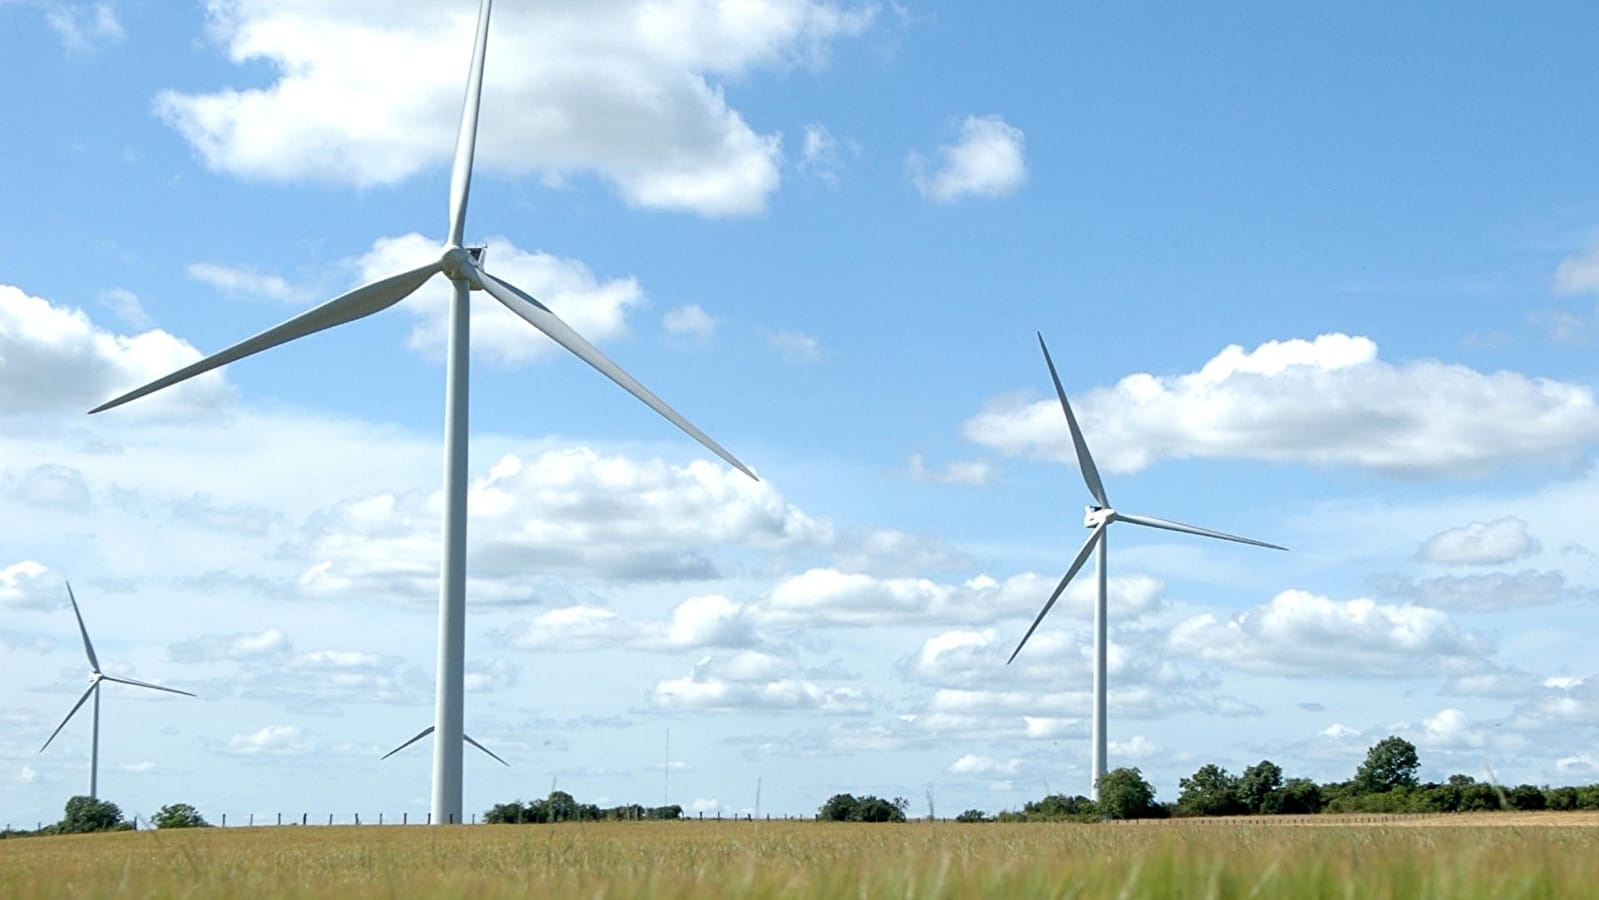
(1095, 516)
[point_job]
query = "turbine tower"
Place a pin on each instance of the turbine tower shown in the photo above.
(96, 678)
(1099, 518)
(465, 270)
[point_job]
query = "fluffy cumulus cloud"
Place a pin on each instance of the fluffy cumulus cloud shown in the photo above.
(829, 597)
(1300, 633)
(24, 585)
(1480, 544)
(595, 309)
(273, 740)
(564, 512)
(754, 681)
(368, 92)
(710, 621)
(52, 357)
(988, 159)
(1327, 401)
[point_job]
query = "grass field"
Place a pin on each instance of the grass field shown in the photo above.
(1498, 856)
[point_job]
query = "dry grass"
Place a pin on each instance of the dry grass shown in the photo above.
(1496, 856)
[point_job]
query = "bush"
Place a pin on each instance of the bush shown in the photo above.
(973, 815)
(1124, 794)
(178, 815)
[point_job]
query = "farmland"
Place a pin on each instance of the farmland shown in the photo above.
(1494, 855)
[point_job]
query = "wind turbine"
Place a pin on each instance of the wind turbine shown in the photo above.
(96, 678)
(463, 267)
(1099, 518)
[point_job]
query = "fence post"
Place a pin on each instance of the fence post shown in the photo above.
(304, 817)
(224, 820)
(252, 819)
(280, 818)
(380, 818)
(357, 818)
(405, 818)
(330, 818)
(430, 817)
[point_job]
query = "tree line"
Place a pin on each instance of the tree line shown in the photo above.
(1385, 782)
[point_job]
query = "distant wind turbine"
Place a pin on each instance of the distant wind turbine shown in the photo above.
(463, 266)
(1099, 519)
(96, 677)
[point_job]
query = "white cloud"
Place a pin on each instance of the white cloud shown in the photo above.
(137, 768)
(976, 472)
(697, 623)
(236, 280)
(1480, 543)
(755, 681)
(1339, 732)
(1134, 748)
(1496, 591)
(824, 596)
(595, 309)
(23, 586)
(28, 775)
(986, 160)
(823, 156)
(1300, 633)
(690, 321)
(369, 93)
(1579, 273)
(125, 305)
(563, 512)
(53, 357)
(1328, 401)
(273, 740)
(268, 644)
(1451, 729)
(81, 27)
(796, 346)
(972, 764)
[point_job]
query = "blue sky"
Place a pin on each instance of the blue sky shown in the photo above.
(1325, 278)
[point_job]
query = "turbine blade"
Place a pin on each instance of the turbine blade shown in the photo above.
(70, 714)
(88, 647)
(1082, 557)
(469, 740)
(1085, 462)
(363, 301)
(540, 317)
(419, 736)
(145, 684)
(1169, 525)
(466, 136)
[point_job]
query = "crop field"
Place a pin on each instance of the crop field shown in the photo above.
(1497, 856)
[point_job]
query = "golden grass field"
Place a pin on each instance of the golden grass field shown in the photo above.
(1498, 856)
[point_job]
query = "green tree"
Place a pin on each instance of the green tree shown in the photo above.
(1390, 763)
(178, 815)
(1260, 788)
(84, 814)
(838, 808)
(1300, 796)
(1209, 792)
(1124, 794)
(1058, 807)
(973, 815)
(562, 807)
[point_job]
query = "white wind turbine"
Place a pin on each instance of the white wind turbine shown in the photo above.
(96, 678)
(463, 267)
(1099, 519)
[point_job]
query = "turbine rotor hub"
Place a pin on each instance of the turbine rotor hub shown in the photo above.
(458, 264)
(1094, 516)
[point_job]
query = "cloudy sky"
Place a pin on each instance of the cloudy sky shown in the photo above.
(1327, 278)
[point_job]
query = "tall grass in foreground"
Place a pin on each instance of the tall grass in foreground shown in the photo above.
(805, 859)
